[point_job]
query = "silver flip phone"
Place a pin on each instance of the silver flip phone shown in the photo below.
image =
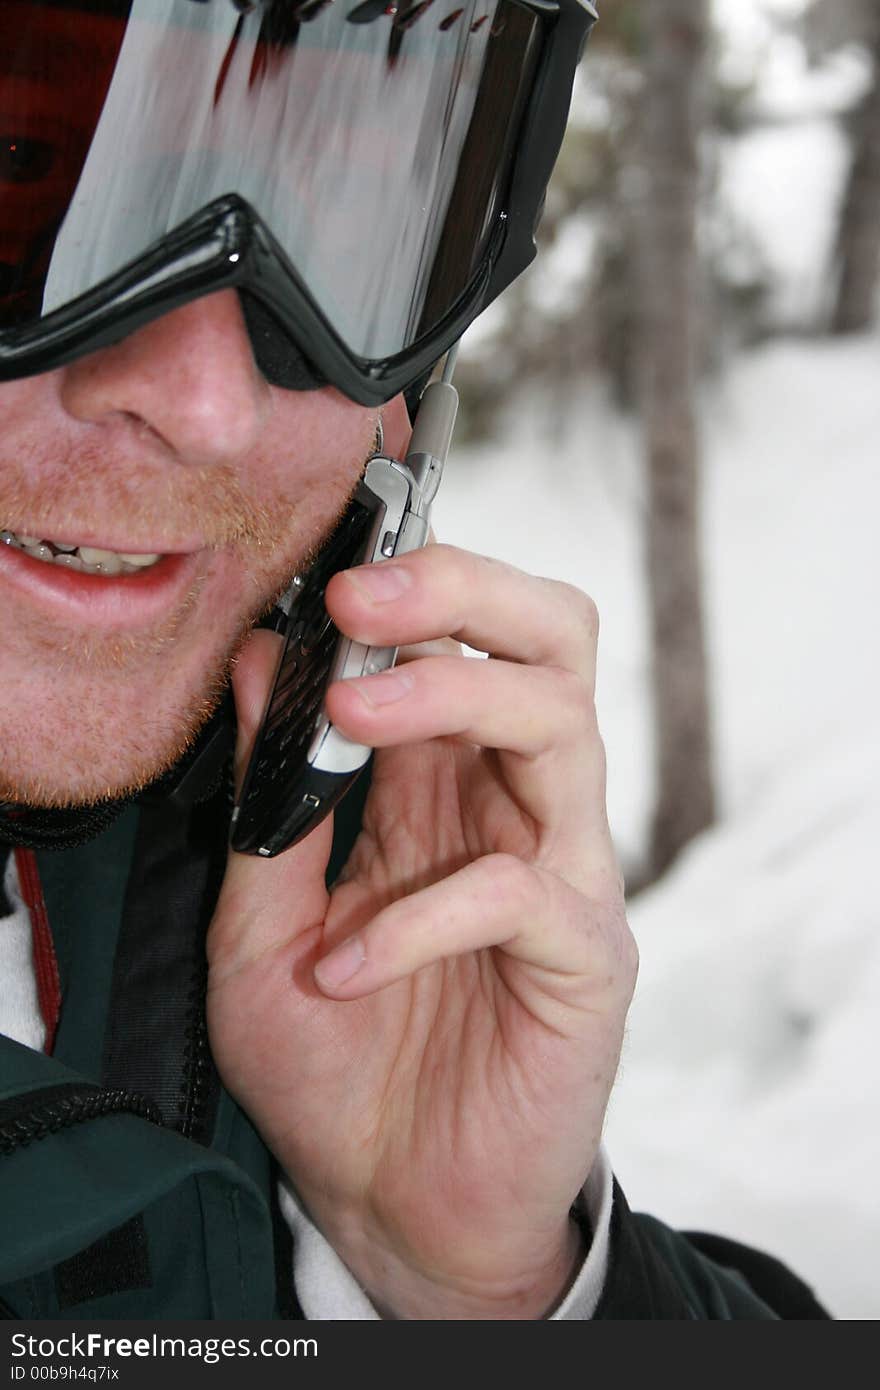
(301, 766)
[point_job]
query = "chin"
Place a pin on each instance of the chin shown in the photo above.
(58, 761)
(97, 774)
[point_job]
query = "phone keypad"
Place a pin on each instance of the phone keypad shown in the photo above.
(310, 642)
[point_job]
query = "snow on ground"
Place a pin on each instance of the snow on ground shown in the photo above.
(748, 1100)
(749, 1095)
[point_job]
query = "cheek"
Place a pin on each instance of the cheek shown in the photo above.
(322, 438)
(308, 464)
(397, 427)
(24, 407)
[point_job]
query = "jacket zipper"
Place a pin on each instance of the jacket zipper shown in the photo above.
(194, 1080)
(28, 1118)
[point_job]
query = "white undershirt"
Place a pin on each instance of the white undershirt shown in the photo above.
(326, 1289)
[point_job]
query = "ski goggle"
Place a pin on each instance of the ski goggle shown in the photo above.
(367, 174)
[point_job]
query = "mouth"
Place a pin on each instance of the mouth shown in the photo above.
(94, 587)
(85, 559)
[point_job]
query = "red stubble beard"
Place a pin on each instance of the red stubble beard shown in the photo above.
(103, 715)
(88, 715)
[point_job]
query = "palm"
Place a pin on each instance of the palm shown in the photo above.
(449, 1071)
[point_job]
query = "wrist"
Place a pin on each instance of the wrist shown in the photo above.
(401, 1289)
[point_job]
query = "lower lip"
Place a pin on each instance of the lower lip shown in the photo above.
(96, 601)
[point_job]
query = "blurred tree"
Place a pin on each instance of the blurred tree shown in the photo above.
(858, 239)
(573, 314)
(648, 277)
(827, 27)
(668, 277)
(620, 289)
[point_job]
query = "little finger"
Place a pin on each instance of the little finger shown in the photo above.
(579, 952)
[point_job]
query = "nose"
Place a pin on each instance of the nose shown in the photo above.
(189, 375)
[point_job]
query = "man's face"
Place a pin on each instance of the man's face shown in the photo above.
(168, 443)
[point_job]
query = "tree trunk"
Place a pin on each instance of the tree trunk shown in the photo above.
(858, 240)
(668, 280)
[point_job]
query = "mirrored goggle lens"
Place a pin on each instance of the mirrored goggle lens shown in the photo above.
(375, 146)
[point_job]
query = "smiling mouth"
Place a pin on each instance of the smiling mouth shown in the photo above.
(86, 559)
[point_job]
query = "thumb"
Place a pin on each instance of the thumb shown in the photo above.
(252, 678)
(264, 902)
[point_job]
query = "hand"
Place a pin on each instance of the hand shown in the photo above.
(429, 1048)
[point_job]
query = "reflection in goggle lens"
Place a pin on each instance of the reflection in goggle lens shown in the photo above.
(374, 145)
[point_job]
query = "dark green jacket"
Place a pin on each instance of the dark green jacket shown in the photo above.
(132, 1186)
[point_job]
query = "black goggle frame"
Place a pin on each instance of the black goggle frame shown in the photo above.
(226, 245)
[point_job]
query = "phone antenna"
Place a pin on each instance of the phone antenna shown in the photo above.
(449, 364)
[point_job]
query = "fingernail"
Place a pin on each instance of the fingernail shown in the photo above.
(380, 582)
(383, 689)
(342, 962)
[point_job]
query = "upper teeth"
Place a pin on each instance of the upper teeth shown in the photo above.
(82, 557)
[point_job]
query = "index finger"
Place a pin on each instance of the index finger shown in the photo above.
(489, 605)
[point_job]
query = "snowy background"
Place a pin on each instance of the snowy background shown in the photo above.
(748, 1098)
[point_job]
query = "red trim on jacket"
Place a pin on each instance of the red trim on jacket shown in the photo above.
(45, 962)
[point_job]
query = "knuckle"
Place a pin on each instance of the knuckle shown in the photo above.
(437, 553)
(579, 607)
(577, 624)
(614, 950)
(575, 705)
(629, 953)
(600, 766)
(622, 949)
(432, 563)
(451, 575)
(451, 562)
(512, 877)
